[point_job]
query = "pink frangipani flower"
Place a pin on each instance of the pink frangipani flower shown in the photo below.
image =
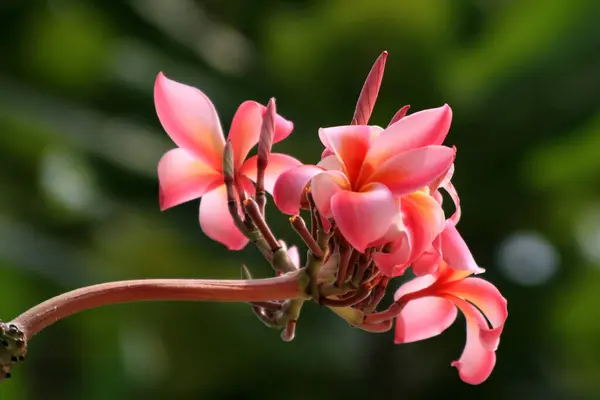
(431, 303)
(370, 169)
(194, 169)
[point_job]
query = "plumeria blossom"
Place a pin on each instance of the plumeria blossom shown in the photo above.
(368, 172)
(431, 304)
(194, 169)
(381, 190)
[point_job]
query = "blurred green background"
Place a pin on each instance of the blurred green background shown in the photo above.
(80, 140)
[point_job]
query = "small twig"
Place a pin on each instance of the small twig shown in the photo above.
(345, 254)
(363, 263)
(359, 295)
(377, 327)
(378, 295)
(300, 227)
(254, 213)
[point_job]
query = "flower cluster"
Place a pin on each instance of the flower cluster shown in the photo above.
(375, 200)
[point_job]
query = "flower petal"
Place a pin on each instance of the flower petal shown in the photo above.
(423, 128)
(289, 188)
(330, 162)
(190, 119)
(183, 177)
(246, 126)
(455, 251)
(424, 219)
(350, 144)
(413, 169)
(476, 362)
(324, 186)
(217, 223)
(424, 318)
(294, 255)
(401, 113)
(394, 263)
(484, 295)
(449, 187)
(351, 209)
(428, 262)
(245, 130)
(278, 164)
(415, 285)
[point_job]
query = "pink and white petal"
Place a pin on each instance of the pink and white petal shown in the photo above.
(413, 169)
(294, 256)
(247, 185)
(283, 127)
(399, 115)
(455, 251)
(424, 219)
(476, 361)
(245, 130)
(424, 318)
(424, 285)
(324, 186)
(190, 119)
(484, 296)
(288, 191)
(394, 263)
(278, 164)
(183, 177)
(217, 223)
(350, 144)
(330, 162)
(351, 209)
(326, 153)
(424, 128)
(449, 187)
(429, 261)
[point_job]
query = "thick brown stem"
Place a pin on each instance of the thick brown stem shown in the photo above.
(288, 286)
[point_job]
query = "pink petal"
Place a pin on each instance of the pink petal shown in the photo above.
(182, 177)
(394, 263)
(350, 144)
(399, 115)
(244, 131)
(424, 318)
(327, 152)
(283, 127)
(217, 223)
(190, 119)
(424, 128)
(424, 219)
(288, 191)
(484, 295)
(294, 256)
(278, 164)
(352, 209)
(428, 262)
(449, 187)
(416, 285)
(413, 169)
(476, 362)
(456, 252)
(324, 186)
(330, 162)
